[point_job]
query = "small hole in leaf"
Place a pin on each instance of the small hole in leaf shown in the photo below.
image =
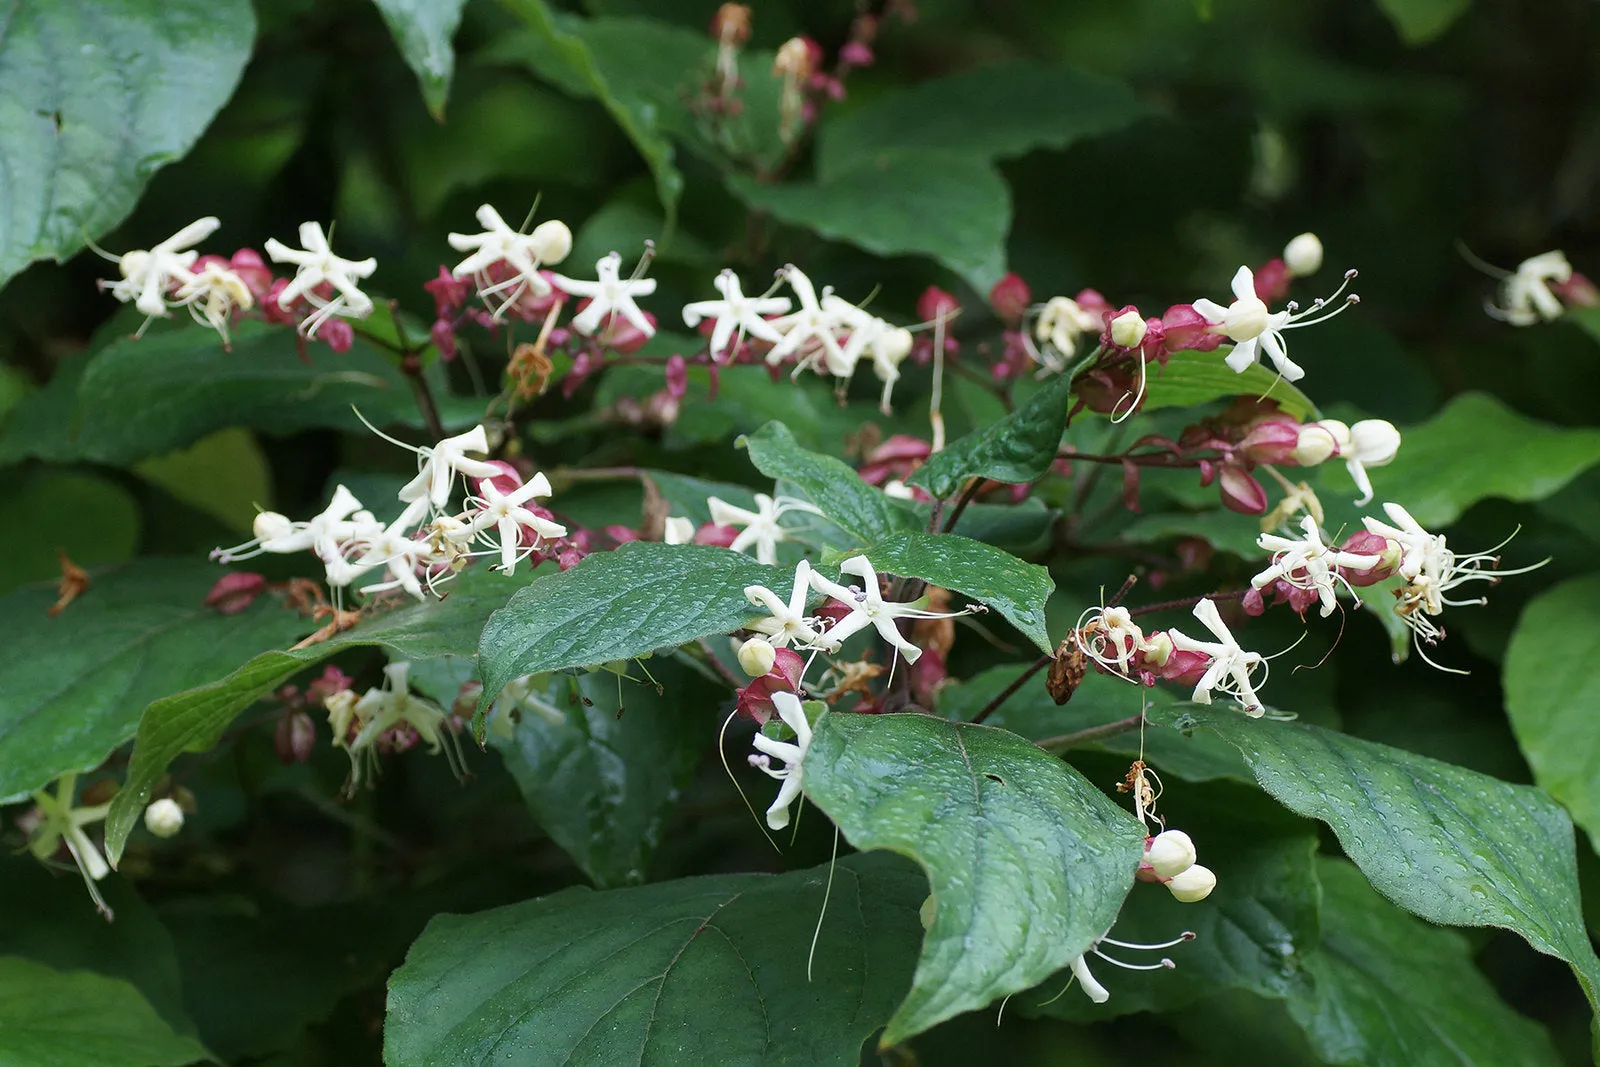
(994, 777)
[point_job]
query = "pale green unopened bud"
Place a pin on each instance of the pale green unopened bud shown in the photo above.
(756, 657)
(1127, 330)
(1315, 444)
(1303, 255)
(1170, 853)
(1194, 884)
(163, 818)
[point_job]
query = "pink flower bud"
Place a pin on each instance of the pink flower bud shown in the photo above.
(677, 376)
(1253, 602)
(855, 54)
(568, 558)
(255, 274)
(754, 701)
(281, 316)
(508, 481)
(337, 334)
(1188, 329)
(1241, 492)
(895, 458)
(622, 336)
(1092, 302)
(1125, 328)
(1576, 291)
(621, 534)
(332, 680)
(1010, 298)
(935, 303)
(1272, 281)
(1271, 441)
(1365, 543)
(928, 676)
(717, 536)
(1185, 668)
(443, 336)
(448, 292)
(234, 592)
(295, 737)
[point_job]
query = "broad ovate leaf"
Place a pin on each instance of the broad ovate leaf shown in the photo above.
(1018, 448)
(51, 1018)
(1027, 862)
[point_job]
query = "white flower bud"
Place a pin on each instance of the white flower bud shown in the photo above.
(551, 241)
(1127, 330)
(1157, 648)
(1170, 853)
(1374, 441)
(678, 531)
(1194, 884)
(1315, 444)
(898, 490)
(269, 525)
(1303, 255)
(1339, 432)
(756, 657)
(163, 818)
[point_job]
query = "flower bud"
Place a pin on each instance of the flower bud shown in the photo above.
(677, 376)
(1170, 853)
(163, 818)
(678, 531)
(551, 241)
(1366, 543)
(1339, 432)
(1193, 885)
(1241, 492)
(338, 335)
(1374, 442)
(756, 657)
(234, 592)
(1576, 291)
(508, 481)
(1271, 441)
(295, 737)
(269, 525)
(1010, 298)
(1128, 329)
(1272, 281)
(935, 303)
(1303, 255)
(1186, 328)
(1314, 444)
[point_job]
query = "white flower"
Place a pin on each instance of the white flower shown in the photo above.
(506, 513)
(868, 608)
(1303, 255)
(1231, 666)
(402, 555)
(736, 315)
(315, 265)
(383, 709)
(1309, 562)
(761, 527)
(793, 755)
(1525, 295)
(213, 295)
(438, 466)
(523, 252)
(785, 622)
(148, 276)
(1369, 443)
(811, 327)
(164, 818)
(58, 822)
(677, 531)
(1097, 992)
(1109, 636)
(889, 345)
(608, 295)
(1254, 330)
(898, 490)
(321, 534)
(756, 657)
(1060, 323)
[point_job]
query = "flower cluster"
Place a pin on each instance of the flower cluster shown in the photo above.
(426, 543)
(1111, 640)
(1540, 290)
(389, 718)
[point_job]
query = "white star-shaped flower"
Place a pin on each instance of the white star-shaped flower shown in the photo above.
(1525, 295)
(321, 534)
(868, 608)
(792, 754)
(1231, 665)
(315, 264)
(1109, 636)
(507, 515)
(1255, 330)
(736, 315)
(402, 555)
(438, 466)
(1309, 562)
(212, 296)
(149, 275)
(60, 822)
(608, 295)
(761, 527)
(1369, 443)
(786, 622)
(524, 253)
(811, 326)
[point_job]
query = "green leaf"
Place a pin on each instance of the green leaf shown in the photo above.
(1028, 862)
(1192, 378)
(423, 29)
(951, 207)
(1389, 991)
(1256, 932)
(1552, 691)
(1420, 21)
(94, 99)
(75, 683)
(993, 576)
(616, 606)
(1474, 449)
(105, 526)
(635, 68)
(1018, 448)
(600, 761)
(1451, 845)
(997, 111)
(831, 484)
(193, 720)
(224, 475)
(695, 971)
(50, 1019)
(135, 398)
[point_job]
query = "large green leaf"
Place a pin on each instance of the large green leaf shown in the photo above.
(997, 111)
(1191, 378)
(1018, 448)
(1552, 691)
(1389, 991)
(193, 720)
(831, 484)
(95, 97)
(139, 397)
(1027, 861)
(601, 761)
(105, 526)
(636, 68)
(993, 576)
(616, 606)
(1451, 845)
(1474, 449)
(50, 1019)
(1256, 932)
(423, 29)
(75, 683)
(950, 206)
(695, 971)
